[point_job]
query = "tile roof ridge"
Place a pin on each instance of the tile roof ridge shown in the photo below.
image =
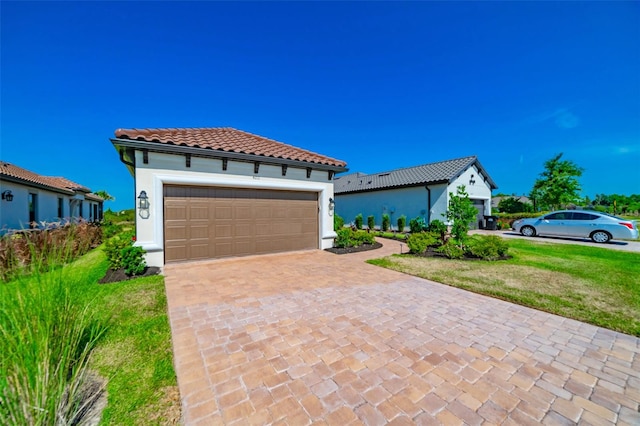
(469, 157)
(281, 143)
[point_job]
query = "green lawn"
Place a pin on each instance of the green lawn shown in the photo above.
(134, 355)
(590, 284)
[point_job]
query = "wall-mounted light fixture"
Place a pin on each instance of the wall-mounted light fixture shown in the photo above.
(472, 181)
(7, 195)
(332, 205)
(143, 205)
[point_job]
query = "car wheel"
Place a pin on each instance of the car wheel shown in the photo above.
(528, 231)
(600, 237)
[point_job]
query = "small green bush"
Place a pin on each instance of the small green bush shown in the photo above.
(417, 225)
(487, 247)
(347, 237)
(451, 249)
(371, 222)
(114, 246)
(133, 261)
(419, 242)
(338, 222)
(402, 222)
(437, 226)
(344, 238)
(362, 237)
(386, 222)
(358, 221)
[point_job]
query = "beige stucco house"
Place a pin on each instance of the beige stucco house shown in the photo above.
(206, 193)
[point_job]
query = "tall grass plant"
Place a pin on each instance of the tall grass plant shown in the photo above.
(46, 338)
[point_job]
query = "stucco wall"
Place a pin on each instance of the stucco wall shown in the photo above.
(412, 202)
(15, 214)
(171, 169)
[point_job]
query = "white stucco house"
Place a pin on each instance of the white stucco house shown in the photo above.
(420, 191)
(31, 200)
(206, 193)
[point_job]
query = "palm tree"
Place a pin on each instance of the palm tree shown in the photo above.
(104, 195)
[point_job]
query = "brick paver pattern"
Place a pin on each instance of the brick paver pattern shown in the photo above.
(316, 338)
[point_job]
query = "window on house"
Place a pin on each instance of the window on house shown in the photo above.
(80, 208)
(60, 207)
(95, 212)
(33, 208)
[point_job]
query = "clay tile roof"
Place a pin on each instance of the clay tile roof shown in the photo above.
(57, 183)
(227, 139)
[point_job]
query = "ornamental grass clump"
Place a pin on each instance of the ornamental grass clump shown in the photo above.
(46, 338)
(38, 250)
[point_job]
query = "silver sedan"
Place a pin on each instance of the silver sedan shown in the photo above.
(600, 227)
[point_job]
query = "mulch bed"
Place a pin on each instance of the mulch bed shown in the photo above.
(114, 276)
(346, 250)
(431, 252)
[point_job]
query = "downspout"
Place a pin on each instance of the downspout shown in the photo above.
(428, 204)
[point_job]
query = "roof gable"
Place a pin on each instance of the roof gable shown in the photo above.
(439, 172)
(227, 139)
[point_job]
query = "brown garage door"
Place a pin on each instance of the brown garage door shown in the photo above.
(211, 222)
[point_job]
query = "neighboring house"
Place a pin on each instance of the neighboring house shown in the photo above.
(421, 191)
(209, 193)
(32, 200)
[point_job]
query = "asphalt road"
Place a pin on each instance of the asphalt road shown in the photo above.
(632, 246)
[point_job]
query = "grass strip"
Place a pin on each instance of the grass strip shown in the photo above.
(591, 284)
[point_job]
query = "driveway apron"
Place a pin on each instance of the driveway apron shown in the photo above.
(317, 338)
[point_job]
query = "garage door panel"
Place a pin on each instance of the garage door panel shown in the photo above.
(211, 222)
(222, 212)
(175, 233)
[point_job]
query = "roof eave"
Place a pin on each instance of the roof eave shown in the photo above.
(210, 153)
(386, 188)
(36, 185)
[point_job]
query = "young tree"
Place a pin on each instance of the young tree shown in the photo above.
(558, 185)
(461, 213)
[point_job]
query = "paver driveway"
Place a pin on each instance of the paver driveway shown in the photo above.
(313, 337)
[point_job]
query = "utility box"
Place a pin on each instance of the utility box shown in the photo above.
(491, 222)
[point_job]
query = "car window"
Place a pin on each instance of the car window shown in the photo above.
(584, 216)
(558, 216)
(610, 215)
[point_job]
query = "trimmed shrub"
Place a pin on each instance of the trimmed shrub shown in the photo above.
(133, 261)
(114, 247)
(487, 247)
(371, 222)
(358, 221)
(419, 242)
(438, 227)
(402, 222)
(362, 237)
(451, 249)
(417, 225)
(386, 222)
(338, 222)
(344, 238)
(347, 237)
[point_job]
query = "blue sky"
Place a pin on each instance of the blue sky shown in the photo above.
(378, 85)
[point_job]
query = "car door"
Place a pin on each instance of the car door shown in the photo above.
(554, 224)
(581, 224)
